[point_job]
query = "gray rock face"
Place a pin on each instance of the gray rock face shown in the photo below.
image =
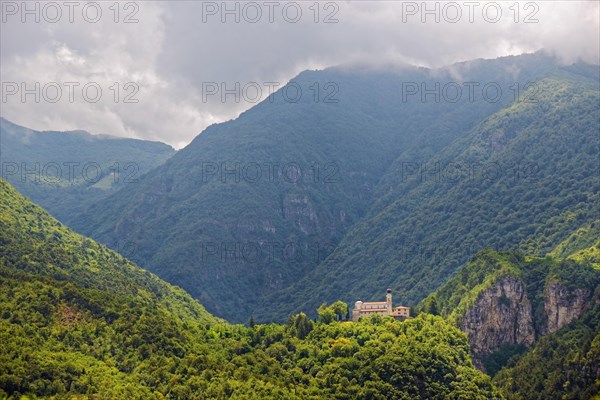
(501, 314)
(300, 209)
(563, 306)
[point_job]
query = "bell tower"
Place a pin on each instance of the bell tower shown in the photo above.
(388, 300)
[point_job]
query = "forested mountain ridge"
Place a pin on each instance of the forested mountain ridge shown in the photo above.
(253, 205)
(524, 178)
(533, 278)
(67, 171)
(78, 320)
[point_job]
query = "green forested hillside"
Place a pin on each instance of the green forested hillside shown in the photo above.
(524, 178)
(562, 365)
(77, 319)
(253, 205)
(583, 245)
(565, 363)
(76, 316)
(65, 172)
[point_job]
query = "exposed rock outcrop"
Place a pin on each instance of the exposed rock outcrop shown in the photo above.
(501, 314)
(300, 209)
(563, 306)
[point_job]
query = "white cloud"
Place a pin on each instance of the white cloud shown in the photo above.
(170, 52)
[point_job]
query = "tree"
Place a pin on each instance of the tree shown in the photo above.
(432, 307)
(340, 309)
(337, 311)
(302, 325)
(326, 314)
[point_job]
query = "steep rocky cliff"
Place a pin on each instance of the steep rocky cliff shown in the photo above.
(505, 302)
(563, 306)
(501, 314)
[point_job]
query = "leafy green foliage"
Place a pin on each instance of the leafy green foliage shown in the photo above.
(337, 311)
(562, 365)
(499, 358)
(78, 320)
(583, 245)
(299, 326)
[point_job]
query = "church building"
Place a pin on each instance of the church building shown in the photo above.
(383, 308)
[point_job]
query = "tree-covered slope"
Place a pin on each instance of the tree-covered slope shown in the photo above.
(524, 178)
(562, 365)
(253, 205)
(79, 321)
(77, 316)
(65, 172)
(583, 245)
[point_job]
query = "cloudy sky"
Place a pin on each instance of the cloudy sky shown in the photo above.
(145, 69)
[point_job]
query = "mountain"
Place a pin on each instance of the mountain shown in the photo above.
(523, 178)
(525, 297)
(533, 323)
(252, 206)
(79, 321)
(67, 171)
